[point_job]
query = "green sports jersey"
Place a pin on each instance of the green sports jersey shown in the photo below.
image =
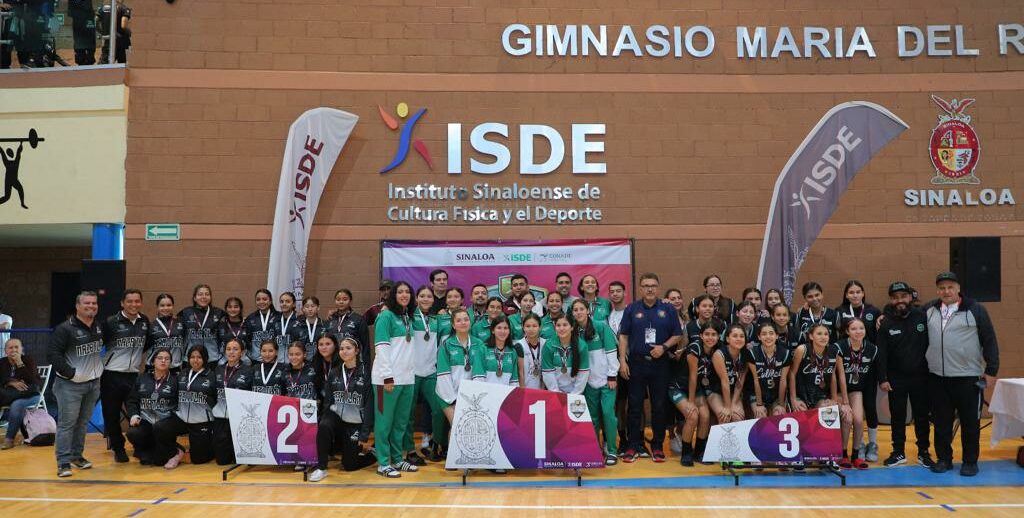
(556, 367)
(493, 365)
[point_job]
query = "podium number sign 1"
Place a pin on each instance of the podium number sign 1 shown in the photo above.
(272, 430)
(502, 427)
(797, 437)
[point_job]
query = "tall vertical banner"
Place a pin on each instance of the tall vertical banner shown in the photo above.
(807, 191)
(492, 263)
(272, 430)
(504, 427)
(315, 140)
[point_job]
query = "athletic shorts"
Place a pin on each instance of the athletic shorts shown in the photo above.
(813, 396)
(677, 393)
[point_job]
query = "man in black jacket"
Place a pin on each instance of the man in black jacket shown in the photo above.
(903, 371)
(74, 352)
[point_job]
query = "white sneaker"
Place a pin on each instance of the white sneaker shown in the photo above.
(675, 444)
(388, 472)
(405, 466)
(317, 475)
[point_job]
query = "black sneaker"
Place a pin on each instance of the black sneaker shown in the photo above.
(969, 469)
(686, 459)
(415, 460)
(941, 466)
(64, 470)
(895, 459)
(81, 463)
(925, 460)
(644, 453)
(120, 456)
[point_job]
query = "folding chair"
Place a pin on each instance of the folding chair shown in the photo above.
(44, 374)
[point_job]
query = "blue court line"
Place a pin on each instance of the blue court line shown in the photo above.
(922, 493)
(137, 511)
(992, 473)
(948, 508)
(160, 500)
(180, 491)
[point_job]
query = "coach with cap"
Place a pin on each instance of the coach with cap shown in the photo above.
(963, 358)
(903, 371)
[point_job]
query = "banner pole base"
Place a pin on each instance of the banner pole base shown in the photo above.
(465, 476)
(579, 477)
(732, 472)
(831, 468)
(224, 474)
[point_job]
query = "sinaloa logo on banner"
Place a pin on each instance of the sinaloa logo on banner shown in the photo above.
(482, 202)
(954, 150)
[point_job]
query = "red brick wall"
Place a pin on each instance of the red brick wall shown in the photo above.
(25, 288)
(691, 159)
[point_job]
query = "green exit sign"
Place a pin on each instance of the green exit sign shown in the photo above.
(163, 232)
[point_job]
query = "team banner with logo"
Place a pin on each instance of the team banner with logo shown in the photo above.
(797, 437)
(315, 140)
(807, 191)
(492, 263)
(272, 430)
(503, 427)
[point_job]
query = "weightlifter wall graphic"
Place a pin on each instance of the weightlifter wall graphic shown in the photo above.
(12, 163)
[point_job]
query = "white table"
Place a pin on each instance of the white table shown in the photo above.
(1007, 408)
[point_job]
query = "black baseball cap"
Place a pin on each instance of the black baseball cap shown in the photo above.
(900, 286)
(386, 284)
(946, 276)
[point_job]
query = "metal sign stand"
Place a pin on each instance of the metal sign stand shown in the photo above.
(826, 467)
(576, 471)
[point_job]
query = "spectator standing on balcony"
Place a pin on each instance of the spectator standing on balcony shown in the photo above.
(83, 26)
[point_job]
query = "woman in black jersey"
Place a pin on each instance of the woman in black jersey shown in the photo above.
(753, 296)
(772, 298)
(197, 394)
(260, 325)
(326, 359)
(167, 332)
(705, 311)
(674, 296)
(725, 308)
(789, 337)
(698, 360)
(268, 374)
(232, 374)
(818, 379)
(769, 366)
(686, 395)
(814, 311)
(855, 305)
(154, 398)
(310, 328)
(233, 325)
(201, 321)
(728, 369)
(285, 320)
(859, 356)
(343, 321)
(300, 378)
(746, 316)
(348, 406)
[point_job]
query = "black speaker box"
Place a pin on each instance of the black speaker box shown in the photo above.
(107, 279)
(976, 261)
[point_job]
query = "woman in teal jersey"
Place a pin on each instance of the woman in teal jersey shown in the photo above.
(554, 304)
(597, 339)
(515, 321)
(600, 307)
(565, 365)
(482, 325)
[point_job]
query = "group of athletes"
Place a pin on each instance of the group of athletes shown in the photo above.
(728, 361)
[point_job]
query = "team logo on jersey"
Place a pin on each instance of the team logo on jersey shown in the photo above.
(869, 317)
(661, 313)
(954, 148)
(639, 315)
(405, 137)
(920, 327)
(477, 433)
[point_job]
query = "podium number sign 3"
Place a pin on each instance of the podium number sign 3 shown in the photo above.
(272, 430)
(797, 437)
(502, 427)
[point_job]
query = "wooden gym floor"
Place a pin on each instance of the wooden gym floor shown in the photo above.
(29, 487)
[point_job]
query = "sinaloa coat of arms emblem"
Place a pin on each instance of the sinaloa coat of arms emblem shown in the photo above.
(251, 433)
(954, 148)
(477, 433)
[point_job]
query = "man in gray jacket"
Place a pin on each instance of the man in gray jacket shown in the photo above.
(963, 358)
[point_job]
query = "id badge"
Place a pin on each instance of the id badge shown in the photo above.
(650, 336)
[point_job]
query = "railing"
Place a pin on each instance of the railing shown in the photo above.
(46, 33)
